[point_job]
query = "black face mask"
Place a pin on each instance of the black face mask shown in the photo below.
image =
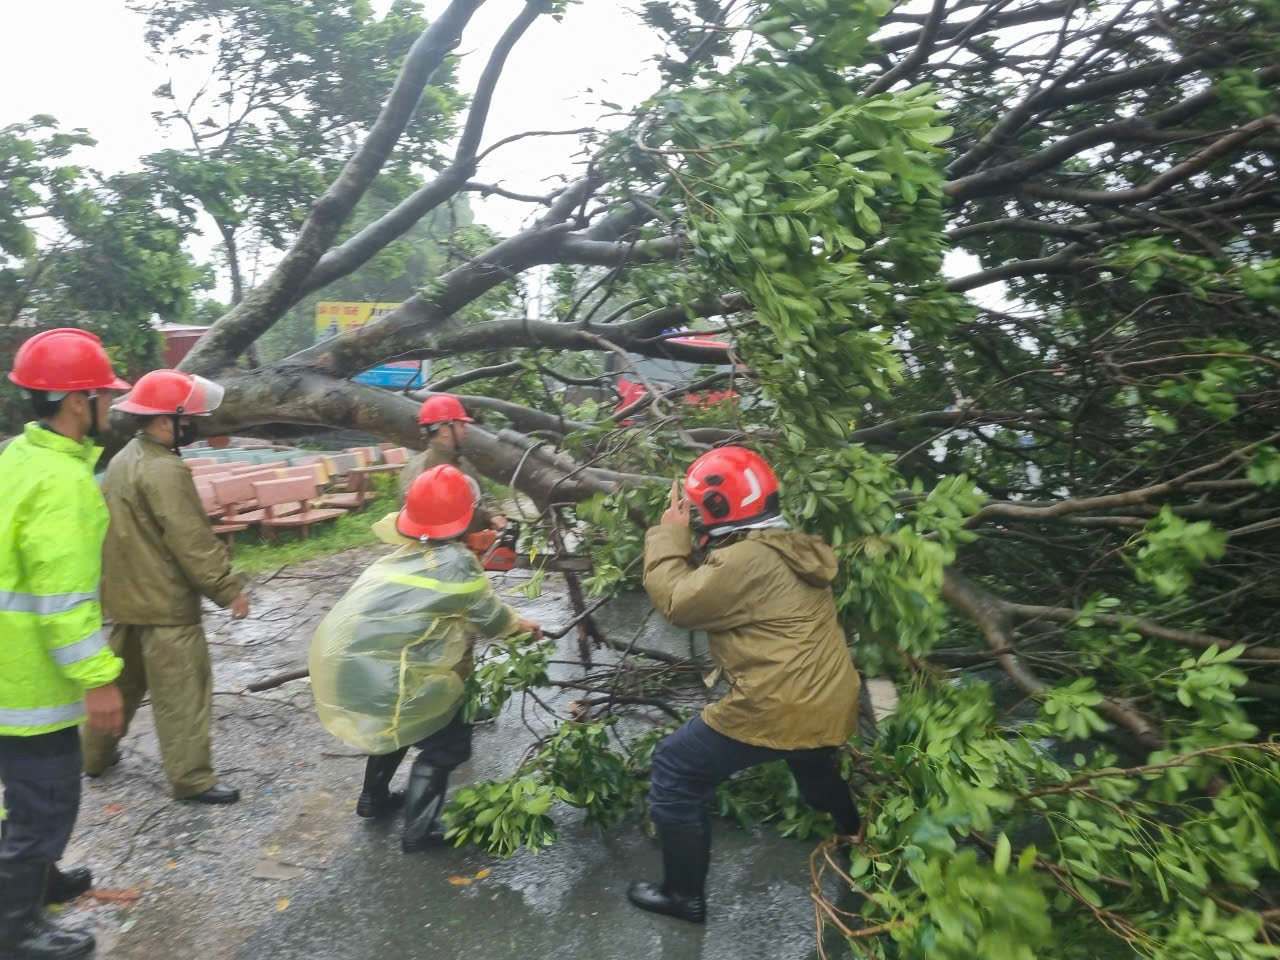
(184, 433)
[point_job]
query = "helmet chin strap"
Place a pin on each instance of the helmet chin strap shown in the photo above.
(93, 431)
(179, 439)
(775, 522)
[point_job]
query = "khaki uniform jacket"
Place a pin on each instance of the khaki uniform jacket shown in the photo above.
(433, 457)
(160, 555)
(765, 602)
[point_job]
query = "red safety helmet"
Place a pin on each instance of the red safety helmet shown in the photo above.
(171, 392)
(63, 361)
(442, 408)
(439, 505)
(732, 486)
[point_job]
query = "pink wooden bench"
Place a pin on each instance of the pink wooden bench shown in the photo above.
(313, 471)
(220, 525)
(273, 495)
(208, 478)
(237, 497)
(205, 470)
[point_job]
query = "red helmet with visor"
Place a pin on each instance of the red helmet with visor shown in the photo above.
(732, 487)
(171, 392)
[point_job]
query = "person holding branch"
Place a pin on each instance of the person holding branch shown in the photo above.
(763, 595)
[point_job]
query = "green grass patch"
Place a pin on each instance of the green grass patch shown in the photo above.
(255, 555)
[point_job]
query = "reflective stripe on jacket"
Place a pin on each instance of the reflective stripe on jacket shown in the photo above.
(389, 661)
(52, 522)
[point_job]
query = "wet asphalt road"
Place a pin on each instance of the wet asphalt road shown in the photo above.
(291, 874)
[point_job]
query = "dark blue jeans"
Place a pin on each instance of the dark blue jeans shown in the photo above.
(689, 764)
(41, 778)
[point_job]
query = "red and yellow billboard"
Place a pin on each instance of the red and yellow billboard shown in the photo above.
(338, 316)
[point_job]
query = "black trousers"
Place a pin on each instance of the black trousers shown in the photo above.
(41, 778)
(447, 748)
(444, 750)
(689, 764)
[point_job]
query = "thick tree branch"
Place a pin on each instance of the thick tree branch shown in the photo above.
(996, 179)
(1035, 13)
(262, 306)
(445, 384)
(991, 616)
(1157, 185)
(1064, 508)
(1066, 260)
(924, 46)
(493, 190)
(365, 245)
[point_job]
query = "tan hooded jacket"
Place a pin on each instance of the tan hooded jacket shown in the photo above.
(160, 555)
(765, 601)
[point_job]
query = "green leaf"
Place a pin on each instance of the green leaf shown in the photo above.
(1000, 862)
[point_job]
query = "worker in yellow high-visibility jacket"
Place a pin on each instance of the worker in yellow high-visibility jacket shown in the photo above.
(55, 667)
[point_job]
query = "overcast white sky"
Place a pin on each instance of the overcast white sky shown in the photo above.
(101, 79)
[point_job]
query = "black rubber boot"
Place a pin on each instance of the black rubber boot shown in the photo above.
(25, 934)
(424, 800)
(376, 798)
(686, 856)
(65, 885)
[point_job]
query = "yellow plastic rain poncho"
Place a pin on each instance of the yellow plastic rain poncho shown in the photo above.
(388, 662)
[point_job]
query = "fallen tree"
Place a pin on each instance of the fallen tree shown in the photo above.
(1068, 480)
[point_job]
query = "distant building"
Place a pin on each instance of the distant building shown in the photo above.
(179, 338)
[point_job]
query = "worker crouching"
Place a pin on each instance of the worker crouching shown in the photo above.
(763, 594)
(389, 662)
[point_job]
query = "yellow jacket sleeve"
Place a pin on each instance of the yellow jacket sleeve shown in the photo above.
(488, 614)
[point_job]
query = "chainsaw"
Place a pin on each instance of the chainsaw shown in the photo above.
(496, 550)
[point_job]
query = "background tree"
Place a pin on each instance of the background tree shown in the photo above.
(80, 249)
(289, 89)
(390, 277)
